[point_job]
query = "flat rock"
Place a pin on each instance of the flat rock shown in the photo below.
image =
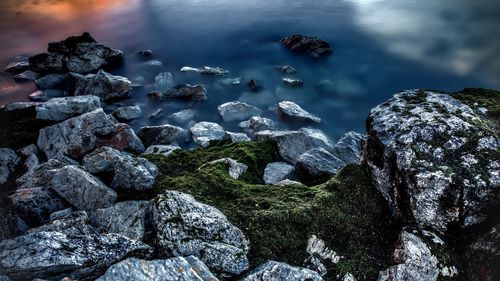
(291, 144)
(27, 75)
(164, 150)
(277, 171)
(205, 132)
(183, 117)
(318, 162)
(318, 139)
(307, 44)
(256, 124)
(8, 163)
(164, 81)
(348, 148)
(196, 92)
(276, 271)
(45, 95)
(103, 85)
(292, 82)
(237, 111)
(236, 169)
(163, 134)
(205, 70)
(237, 137)
(59, 109)
(47, 62)
(17, 65)
(292, 111)
(127, 113)
(62, 81)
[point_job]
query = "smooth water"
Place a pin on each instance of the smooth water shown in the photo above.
(380, 47)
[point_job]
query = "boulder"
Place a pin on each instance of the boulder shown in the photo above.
(186, 227)
(292, 82)
(164, 81)
(275, 271)
(348, 148)
(318, 139)
(205, 70)
(103, 85)
(8, 163)
(72, 223)
(45, 95)
(79, 135)
(163, 134)
(237, 111)
(205, 132)
(287, 69)
(318, 162)
(179, 268)
(307, 44)
(47, 62)
(252, 84)
(127, 172)
(68, 45)
(27, 75)
(164, 150)
(291, 144)
(127, 113)
(293, 112)
(256, 124)
(18, 65)
(277, 171)
(236, 169)
(59, 109)
(183, 117)
(196, 92)
(237, 137)
(62, 81)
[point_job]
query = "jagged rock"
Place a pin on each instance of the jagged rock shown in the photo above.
(318, 138)
(59, 109)
(128, 172)
(164, 134)
(79, 135)
(27, 75)
(428, 158)
(8, 163)
(127, 113)
(414, 261)
(348, 148)
(18, 65)
(237, 137)
(157, 113)
(277, 171)
(54, 255)
(286, 69)
(4, 278)
(73, 223)
(196, 92)
(30, 154)
(179, 268)
(45, 95)
(164, 81)
(252, 84)
(103, 85)
(292, 111)
(205, 70)
(183, 117)
(237, 111)
(68, 45)
(318, 162)
(127, 218)
(277, 271)
(292, 82)
(236, 169)
(319, 254)
(61, 81)
(47, 62)
(291, 144)
(307, 44)
(164, 150)
(255, 125)
(205, 132)
(185, 227)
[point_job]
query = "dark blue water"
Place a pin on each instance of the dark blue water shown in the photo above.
(380, 47)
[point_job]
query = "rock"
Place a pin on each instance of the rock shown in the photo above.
(45, 95)
(252, 84)
(231, 81)
(164, 81)
(60, 109)
(291, 144)
(424, 151)
(152, 65)
(79, 135)
(236, 169)
(349, 277)
(127, 172)
(196, 92)
(320, 254)
(73, 223)
(414, 261)
(4, 278)
(30, 154)
(318, 162)
(164, 150)
(10, 223)
(292, 111)
(68, 45)
(164, 134)
(205, 132)
(237, 137)
(145, 54)
(138, 81)
(127, 218)
(179, 268)
(276, 271)
(255, 125)
(62, 81)
(348, 148)
(54, 255)
(237, 111)
(287, 182)
(157, 113)
(27, 75)
(482, 256)
(277, 171)
(127, 113)
(8, 163)
(18, 65)
(287, 69)
(318, 139)
(90, 57)
(185, 227)
(292, 82)
(205, 70)
(307, 44)
(47, 62)
(103, 85)
(183, 117)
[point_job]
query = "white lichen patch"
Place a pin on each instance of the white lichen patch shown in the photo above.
(449, 271)
(436, 239)
(317, 247)
(485, 143)
(468, 160)
(454, 143)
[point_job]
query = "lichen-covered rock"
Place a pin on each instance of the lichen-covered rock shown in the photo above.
(8, 163)
(277, 171)
(47, 62)
(163, 134)
(237, 111)
(307, 44)
(433, 159)
(178, 268)
(291, 144)
(59, 109)
(73, 223)
(348, 148)
(292, 111)
(103, 85)
(164, 150)
(277, 271)
(205, 132)
(236, 169)
(127, 113)
(255, 125)
(79, 135)
(196, 92)
(205, 70)
(185, 227)
(128, 172)
(54, 255)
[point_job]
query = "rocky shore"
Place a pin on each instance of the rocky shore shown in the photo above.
(84, 196)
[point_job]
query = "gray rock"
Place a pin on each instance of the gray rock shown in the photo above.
(205, 132)
(47, 62)
(164, 150)
(185, 227)
(348, 148)
(237, 137)
(45, 95)
(18, 65)
(127, 218)
(287, 182)
(349, 277)
(79, 135)
(318, 162)
(74, 223)
(183, 117)
(178, 268)
(90, 57)
(291, 144)
(144, 54)
(196, 92)
(205, 70)
(236, 169)
(128, 172)
(59, 109)
(319, 255)
(311, 45)
(164, 81)
(237, 111)
(152, 65)
(54, 255)
(164, 134)
(127, 113)
(286, 69)
(103, 85)
(30, 153)
(277, 171)
(292, 82)
(231, 81)
(256, 124)
(8, 163)
(278, 271)
(27, 75)
(318, 138)
(157, 113)
(292, 111)
(54, 81)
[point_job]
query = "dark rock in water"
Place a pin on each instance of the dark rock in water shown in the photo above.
(47, 62)
(196, 92)
(287, 69)
(45, 95)
(292, 111)
(55, 81)
(54, 255)
(318, 162)
(103, 85)
(256, 124)
(252, 84)
(8, 163)
(307, 44)
(205, 70)
(144, 54)
(273, 270)
(164, 134)
(127, 113)
(292, 82)
(237, 111)
(27, 75)
(205, 132)
(20, 64)
(69, 45)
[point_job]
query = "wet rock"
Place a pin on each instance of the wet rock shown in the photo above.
(318, 138)
(318, 162)
(231, 81)
(348, 148)
(183, 117)
(196, 92)
(27, 75)
(30, 154)
(164, 150)
(252, 84)
(47, 62)
(8, 163)
(127, 113)
(422, 150)
(62, 81)
(59, 109)
(10, 223)
(291, 144)
(292, 111)
(145, 54)
(237, 137)
(164, 81)
(287, 69)
(292, 82)
(127, 172)
(68, 45)
(205, 70)
(205, 132)
(54, 255)
(127, 218)
(152, 65)
(273, 270)
(157, 113)
(185, 227)
(103, 85)
(277, 171)
(236, 169)
(79, 135)
(164, 134)
(73, 223)
(45, 95)
(237, 111)
(18, 65)
(255, 125)
(320, 254)
(307, 44)
(179, 268)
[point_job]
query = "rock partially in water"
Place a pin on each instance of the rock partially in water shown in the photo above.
(59, 109)
(157, 113)
(45, 95)
(103, 85)
(183, 117)
(62, 81)
(48, 62)
(291, 144)
(318, 139)
(231, 81)
(273, 270)
(18, 65)
(237, 137)
(252, 84)
(236, 169)
(205, 132)
(348, 148)
(255, 125)
(145, 54)
(8, 163)
(292, 111)
(307, 44)
(164, 134)
(318, 162)
(277, 171)
(196, 92)
(292, 82)
(287, 69)
(205, 70)
(27, 75)
(179, 268)
(237, 111)
(164, 81)
(185, 227)
(127, 113)
(164, 150)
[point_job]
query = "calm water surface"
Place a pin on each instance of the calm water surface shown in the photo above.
(380, 47)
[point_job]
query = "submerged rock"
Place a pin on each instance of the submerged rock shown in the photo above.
(205, 132)
(277, 171)
(59, 109)
(8, 163)
(205, 70)
(236, 169)
(291, 144)
(318, 162)
(183, 117)
(292, 82)
(157, 113)
(307, 44)
(231, 81)
(286, 69)
(237, 111)
(292, 111)
(252, 84)
(103, 85)
(273, 270)
(127, 113)
(164, 134)
(164, 81)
